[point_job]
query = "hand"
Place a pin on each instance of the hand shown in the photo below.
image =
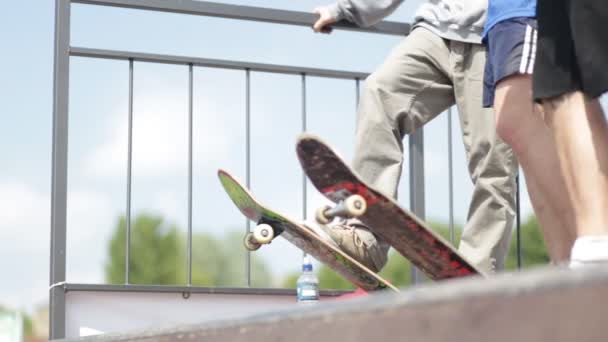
(325, 19)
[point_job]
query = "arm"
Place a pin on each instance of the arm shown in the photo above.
(363, 13)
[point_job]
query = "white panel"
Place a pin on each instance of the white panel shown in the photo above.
(103, 312)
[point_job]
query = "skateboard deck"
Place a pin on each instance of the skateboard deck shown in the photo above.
(405, 232)
(301, 236)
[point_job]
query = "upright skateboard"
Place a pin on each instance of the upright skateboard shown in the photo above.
(409, 235)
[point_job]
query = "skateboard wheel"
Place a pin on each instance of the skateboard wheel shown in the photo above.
(355, 205)
(320, 216)
(263, 233)
(250, 243)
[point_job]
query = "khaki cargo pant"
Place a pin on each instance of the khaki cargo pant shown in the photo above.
(423, 76)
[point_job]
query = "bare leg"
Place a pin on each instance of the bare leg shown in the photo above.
(581, 137)
(522, 128)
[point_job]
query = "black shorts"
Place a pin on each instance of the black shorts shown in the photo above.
(572, 48)
(511, 46)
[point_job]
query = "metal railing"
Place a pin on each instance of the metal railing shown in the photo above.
(63, 52)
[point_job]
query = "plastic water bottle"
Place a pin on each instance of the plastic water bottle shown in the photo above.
(308, 284)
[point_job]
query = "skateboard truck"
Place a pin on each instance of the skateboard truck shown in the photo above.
(352, 206)
(262, 234)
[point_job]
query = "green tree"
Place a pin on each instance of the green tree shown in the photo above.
(158, 254)
(153, 252)
(28, 328)
(533, 248)
(221, 262)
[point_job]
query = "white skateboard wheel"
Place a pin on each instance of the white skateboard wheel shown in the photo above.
(355, 205)
(250, 243)
(263, 233)
(320, 215)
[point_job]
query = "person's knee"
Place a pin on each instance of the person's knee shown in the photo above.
(511, 128)
(506, 128)
(515, 117)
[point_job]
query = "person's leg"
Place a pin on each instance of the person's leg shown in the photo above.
(492, 166)
(406, 91)
(508, 88)
(522, 128)
(409, 89)
(581, 137)
(568, 78)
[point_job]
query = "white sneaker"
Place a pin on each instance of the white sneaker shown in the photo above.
(589, 250)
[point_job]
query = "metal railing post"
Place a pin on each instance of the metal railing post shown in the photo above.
(451, 177)
(190, 167)
(248, 164)
(416, 140)
(304, 194)
(129, 169)
(59, 173)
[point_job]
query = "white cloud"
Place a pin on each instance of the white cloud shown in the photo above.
(25, 240)
(160, 139)
(89, 214)
(24, 214)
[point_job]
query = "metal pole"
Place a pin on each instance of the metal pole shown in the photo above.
(357, 92)
(129, 167)
(76, 51)
(417, 180)
(248, 163)
(518, 218)
(304, 194)
(450, 176)
(59, 172)
(190, 152)
(240, 12)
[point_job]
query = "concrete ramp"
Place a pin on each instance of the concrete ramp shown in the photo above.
(540, 305)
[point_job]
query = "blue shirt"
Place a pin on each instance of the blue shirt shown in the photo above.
(499, 10)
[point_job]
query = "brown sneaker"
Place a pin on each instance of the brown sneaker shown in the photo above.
(356, 240)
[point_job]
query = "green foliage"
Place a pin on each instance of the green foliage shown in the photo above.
(158, 255)
(533, 248)
(221, 262)
(153, 252)
(290, 280)
(397, 269)
(28, 327)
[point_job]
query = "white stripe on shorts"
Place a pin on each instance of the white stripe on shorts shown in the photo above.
(533, 53)
(524, 56)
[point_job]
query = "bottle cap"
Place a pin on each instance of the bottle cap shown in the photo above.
(306, 264)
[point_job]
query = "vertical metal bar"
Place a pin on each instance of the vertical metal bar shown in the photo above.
(248, 162)
(129, 167)
(450, 176)
(304, 194)
(417, 180)
(59, 172)
(357, 91)
(518, 219)
(190, 152)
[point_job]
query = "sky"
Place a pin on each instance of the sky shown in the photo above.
(98, 130)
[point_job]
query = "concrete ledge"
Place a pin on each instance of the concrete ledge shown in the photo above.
(540, 305)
